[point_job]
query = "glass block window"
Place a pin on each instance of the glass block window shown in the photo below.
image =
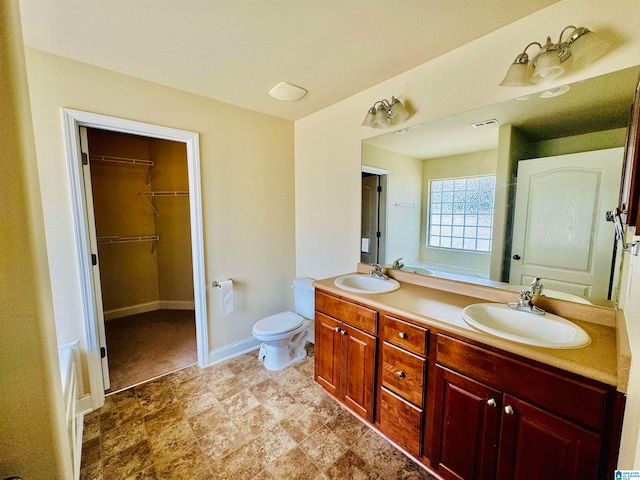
(461, 213)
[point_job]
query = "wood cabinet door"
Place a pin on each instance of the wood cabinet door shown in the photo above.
(466, 425)
(535, 444)
(358, 370)
(401, 421)
(327, 357)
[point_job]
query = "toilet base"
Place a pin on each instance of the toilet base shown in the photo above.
(278, 357)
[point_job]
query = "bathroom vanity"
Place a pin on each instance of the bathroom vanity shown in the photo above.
(466, 404)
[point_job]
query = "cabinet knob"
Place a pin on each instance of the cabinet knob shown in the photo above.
(402, 335)
(508, 410)
(492, 403)
(400, 374)
(338, 329)
(343, 331)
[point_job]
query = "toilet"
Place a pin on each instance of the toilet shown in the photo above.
(285, 334)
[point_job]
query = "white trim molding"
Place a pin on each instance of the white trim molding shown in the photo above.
(233, 350)
(72, 120)
(114, 313)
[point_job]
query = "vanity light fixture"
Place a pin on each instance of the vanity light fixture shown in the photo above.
(582, 44)
(385, 112)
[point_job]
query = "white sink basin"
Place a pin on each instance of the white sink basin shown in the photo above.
(548, 330)
(551, 294)
(421, 271)
(365, 284)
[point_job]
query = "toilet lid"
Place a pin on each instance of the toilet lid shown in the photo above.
(277, 324)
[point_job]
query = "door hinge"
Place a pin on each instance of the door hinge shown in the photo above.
(378, 234)
(103, 352)
(94, 259)
(379, 189)
(85, 159)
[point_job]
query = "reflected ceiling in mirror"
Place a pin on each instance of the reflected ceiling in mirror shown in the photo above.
(592, 105)
(579, 109)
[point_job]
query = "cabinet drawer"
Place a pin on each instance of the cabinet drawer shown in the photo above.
(406, 335)
(400, 421)
(364, 318)
(403, 373)
(570, 398)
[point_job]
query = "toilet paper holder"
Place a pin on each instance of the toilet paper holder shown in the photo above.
(215, 284)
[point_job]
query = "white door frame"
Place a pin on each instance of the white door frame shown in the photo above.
(72, 120)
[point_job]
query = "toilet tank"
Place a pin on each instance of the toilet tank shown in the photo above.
(303, 297)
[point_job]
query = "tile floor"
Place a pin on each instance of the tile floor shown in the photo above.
(235, 420)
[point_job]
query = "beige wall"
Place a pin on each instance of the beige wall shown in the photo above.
(630, 301)
(327, 143)
(465, 165)
(140, 273)
(32, 430)
(579, 143)
(247, 188)
(175, 270)
(128, 271)
(404, 185)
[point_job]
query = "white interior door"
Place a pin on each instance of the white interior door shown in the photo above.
(93, 242)
(560, 229)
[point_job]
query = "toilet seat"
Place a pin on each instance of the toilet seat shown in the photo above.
(277, 324)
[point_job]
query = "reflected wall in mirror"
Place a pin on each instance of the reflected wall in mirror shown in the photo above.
(506, 193)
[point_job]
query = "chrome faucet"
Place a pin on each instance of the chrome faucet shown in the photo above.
(377, 272)
(535, 287)
(524, 303)
(397, 264)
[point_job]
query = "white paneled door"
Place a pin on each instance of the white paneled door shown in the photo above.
(560, 229)
(93, 243)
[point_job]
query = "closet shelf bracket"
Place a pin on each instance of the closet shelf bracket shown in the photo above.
(148, 195)
(130, 239)
(136, 162)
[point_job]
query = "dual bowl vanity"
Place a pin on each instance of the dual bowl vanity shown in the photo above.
(467, 386)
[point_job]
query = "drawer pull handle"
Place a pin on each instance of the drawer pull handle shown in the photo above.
(508, 410)
(400, 374)
(402, 335)
(492, 403)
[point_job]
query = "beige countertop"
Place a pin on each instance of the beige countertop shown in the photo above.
(443, 309)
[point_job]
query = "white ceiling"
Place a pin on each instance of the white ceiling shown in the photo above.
(236, 50)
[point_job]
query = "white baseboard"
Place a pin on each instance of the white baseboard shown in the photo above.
(233, 350)
(148, 307)
(177, 305)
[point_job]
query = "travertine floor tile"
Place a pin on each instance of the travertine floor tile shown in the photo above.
(294, 465)
(324, 447)
(223, 440)
(235, 420)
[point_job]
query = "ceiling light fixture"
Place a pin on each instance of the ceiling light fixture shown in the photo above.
(287, 92)
(582, 44)
(385, 112)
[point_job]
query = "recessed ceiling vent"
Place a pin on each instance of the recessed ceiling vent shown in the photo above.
(485, 123)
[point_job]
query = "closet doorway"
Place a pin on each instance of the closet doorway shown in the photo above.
(139, 190)
(373, 224)
(73, 122)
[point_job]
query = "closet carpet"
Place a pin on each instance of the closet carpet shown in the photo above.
(146, 345)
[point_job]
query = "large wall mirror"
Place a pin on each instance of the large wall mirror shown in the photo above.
(507, 193)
